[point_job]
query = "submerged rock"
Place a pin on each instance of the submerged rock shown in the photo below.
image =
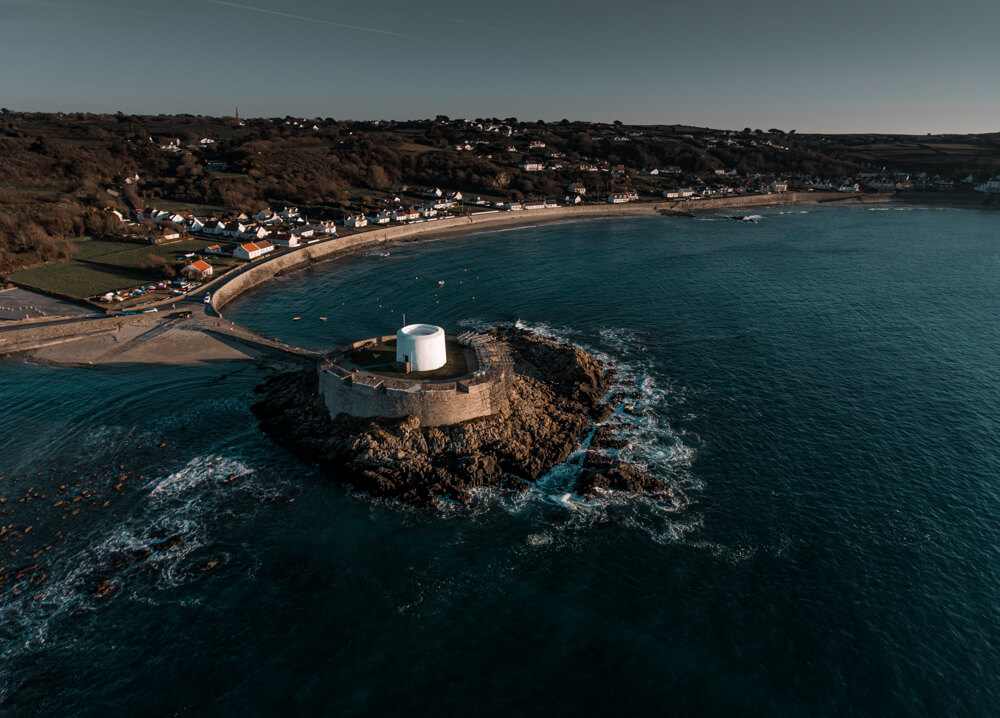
(556, 394)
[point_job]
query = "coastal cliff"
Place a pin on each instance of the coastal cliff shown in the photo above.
(557, 393)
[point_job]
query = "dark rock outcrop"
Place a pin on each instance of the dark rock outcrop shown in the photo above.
(556, 394)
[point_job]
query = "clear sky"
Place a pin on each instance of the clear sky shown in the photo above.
(846, 66)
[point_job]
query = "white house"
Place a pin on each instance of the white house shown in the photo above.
(573, 199)
(257, 232)
(200, 267)
(234, 229)
(533, 204)
(214, 249)
(357, 221)
(166, 235)
(576, 188)
(513, 206)
(532, 166)
(849, 187)
(433, 192)
(195, 225)
(251, 250)
(287, 240)
(989, 186)
(382, 217)
(456, 196)
(617, 198)
(405, 215)
(779, 186)
(304, 232)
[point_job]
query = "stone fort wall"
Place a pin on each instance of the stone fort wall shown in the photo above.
(434, 403)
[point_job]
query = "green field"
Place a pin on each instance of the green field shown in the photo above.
(78, 279)
(131, 255)
(100, 266)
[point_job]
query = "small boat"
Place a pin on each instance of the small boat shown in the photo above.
(296, 319)
(322, 319)
(440, 282)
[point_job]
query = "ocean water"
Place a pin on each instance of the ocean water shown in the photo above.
(821, 389)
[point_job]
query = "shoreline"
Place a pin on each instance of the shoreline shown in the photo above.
(230, 287)
(160, 339)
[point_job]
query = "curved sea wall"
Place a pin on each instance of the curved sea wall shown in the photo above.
(266, 268)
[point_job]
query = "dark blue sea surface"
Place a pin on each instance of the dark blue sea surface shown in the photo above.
(821, 389)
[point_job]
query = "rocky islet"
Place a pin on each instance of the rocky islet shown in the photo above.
(558, 392)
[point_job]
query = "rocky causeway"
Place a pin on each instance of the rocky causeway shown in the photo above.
(558, 393)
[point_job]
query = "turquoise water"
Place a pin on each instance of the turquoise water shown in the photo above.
(820, 388)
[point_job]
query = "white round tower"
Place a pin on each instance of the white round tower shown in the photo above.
(422, 345)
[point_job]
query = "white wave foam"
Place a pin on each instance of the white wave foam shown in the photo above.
(132, 553)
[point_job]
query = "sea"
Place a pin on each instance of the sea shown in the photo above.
(819, 387)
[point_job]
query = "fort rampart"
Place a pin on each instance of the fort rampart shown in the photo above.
(434, 403)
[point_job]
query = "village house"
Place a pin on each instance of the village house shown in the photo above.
(618, 198)
(512, 206)
(779, 186)
(533, 204)
(382, 217)
(357, 221)
(532, 166)
(251, 250)
(573, 199)
(433, 192)
(165, 234)
(577, 189)
(214, 249)
(405, 215)
(256, 232)
(234, 229)
(198, 267)
(991, 186)
(287, 240)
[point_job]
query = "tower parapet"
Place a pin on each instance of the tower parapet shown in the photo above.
(351, 382)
